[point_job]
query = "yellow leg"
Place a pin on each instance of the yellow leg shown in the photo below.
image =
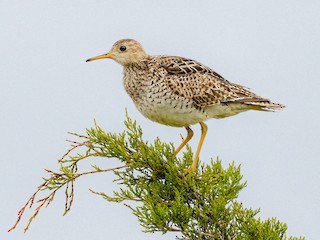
(185, 141)
(204, 129)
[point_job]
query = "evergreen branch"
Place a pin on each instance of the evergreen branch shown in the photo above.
(198, 205)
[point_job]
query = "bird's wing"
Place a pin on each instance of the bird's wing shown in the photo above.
(191, 79)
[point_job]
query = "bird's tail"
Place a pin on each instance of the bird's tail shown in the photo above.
(265, 105)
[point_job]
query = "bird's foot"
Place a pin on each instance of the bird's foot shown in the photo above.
(190, 170)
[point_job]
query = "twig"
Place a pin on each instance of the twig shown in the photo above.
(47, 200)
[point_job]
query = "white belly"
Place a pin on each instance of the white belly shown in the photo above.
(182, 114)
(173, 115)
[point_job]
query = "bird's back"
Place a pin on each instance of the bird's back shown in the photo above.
(183, 86)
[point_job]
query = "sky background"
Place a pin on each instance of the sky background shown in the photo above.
(47, 89)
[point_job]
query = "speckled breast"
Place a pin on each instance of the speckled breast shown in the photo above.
(156, 101)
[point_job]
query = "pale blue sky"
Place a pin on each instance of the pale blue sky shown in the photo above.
(47, 89)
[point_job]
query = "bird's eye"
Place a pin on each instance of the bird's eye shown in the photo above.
(123, 48)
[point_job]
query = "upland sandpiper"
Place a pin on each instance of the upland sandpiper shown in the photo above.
(180, 92)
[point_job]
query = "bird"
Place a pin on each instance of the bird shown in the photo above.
(180, 92)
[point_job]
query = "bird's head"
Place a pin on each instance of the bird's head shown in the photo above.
(125, 52)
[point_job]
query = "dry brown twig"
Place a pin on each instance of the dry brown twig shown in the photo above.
(57, 180)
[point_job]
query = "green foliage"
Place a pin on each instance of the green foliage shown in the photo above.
(160, 192)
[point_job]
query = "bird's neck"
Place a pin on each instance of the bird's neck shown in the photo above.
(134, 78)
(137, 64)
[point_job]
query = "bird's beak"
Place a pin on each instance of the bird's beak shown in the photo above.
(108, 55)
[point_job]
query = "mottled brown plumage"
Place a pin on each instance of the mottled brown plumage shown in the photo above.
(180, 92)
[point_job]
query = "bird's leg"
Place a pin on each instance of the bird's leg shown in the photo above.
(185, 141)
(204, 129)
